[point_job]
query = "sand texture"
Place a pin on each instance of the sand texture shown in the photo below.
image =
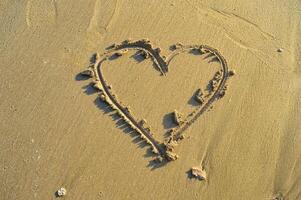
(171, 100)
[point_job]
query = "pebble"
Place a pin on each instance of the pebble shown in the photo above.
(280, 50)
(61, 192)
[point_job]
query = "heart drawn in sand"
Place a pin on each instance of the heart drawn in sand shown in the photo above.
(165, 149)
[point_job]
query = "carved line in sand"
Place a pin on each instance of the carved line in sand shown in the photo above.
(217, 86)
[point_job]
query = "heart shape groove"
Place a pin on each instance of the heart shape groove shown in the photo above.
(163, 150)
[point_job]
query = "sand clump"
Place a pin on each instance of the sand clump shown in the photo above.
(88, 73)
(121, 52)
(178, 118)
(199, 96)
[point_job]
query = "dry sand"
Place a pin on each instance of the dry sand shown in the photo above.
(56, 133)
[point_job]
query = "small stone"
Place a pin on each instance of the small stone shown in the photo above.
(280, 50)
(61, 192)
(198, 173)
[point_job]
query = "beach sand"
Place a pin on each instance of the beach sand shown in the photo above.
(55, 131)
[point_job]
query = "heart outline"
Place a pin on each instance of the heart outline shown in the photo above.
(163, 150)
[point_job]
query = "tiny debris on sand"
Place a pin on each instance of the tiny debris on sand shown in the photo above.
(61, 192)
(199, 173)
(280, 50)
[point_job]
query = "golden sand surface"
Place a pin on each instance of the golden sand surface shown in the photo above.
(55, 131)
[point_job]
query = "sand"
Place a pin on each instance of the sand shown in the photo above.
(57, 133)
